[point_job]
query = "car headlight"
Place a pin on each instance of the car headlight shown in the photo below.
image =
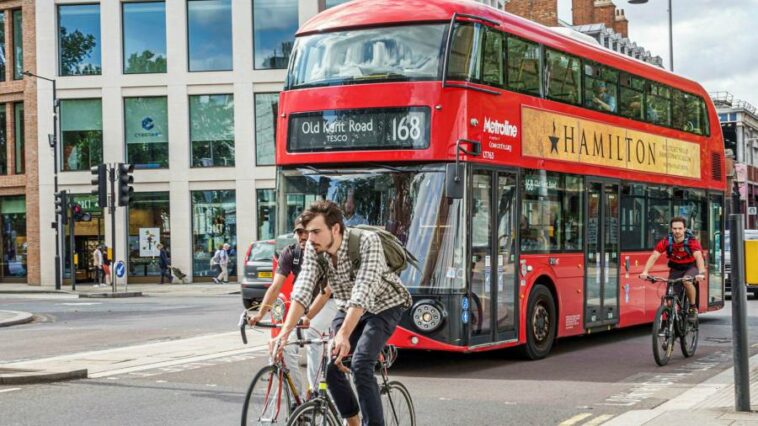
(278, 310)
(427, 315)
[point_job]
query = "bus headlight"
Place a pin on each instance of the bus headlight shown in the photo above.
(427, 315)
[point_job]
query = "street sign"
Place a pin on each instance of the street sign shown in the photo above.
(120, 269)
(752, 211)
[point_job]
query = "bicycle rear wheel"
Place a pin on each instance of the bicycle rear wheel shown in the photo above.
(268, 400)
(688, 341)
(315, 412)
(663, 335)
(397, 405)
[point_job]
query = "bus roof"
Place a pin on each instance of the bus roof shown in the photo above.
(367, 13)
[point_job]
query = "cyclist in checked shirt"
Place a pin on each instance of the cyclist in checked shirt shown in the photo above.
(370, 302)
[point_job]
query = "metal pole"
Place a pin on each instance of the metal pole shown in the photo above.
(671, 38)
(72, 244)
(112, 210)
(58, 236)
(739, 314)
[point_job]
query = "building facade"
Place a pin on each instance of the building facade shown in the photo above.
(739, 124)
(19, 194)
(187, 91)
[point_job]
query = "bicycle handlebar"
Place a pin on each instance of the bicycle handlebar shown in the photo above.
(654, 279)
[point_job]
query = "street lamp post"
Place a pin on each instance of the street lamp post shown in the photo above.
(53, 141)
(671, 32)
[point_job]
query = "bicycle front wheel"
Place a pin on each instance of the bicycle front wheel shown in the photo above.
(397, 405)
(689, 338)
(268, 400)
(663, 335)
(315, 412)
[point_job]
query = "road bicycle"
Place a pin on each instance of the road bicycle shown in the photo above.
(272, 395)
(672, 321)
(273, 399)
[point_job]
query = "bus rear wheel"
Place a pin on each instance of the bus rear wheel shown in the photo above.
(541, 323)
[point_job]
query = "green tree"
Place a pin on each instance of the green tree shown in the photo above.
(145, 62)
(74, 48)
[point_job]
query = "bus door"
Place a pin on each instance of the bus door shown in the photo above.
(492, 233)
(602, 254)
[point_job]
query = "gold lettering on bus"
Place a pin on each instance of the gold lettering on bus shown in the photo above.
(554, 136)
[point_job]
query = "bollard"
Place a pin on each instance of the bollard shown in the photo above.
(739, 314)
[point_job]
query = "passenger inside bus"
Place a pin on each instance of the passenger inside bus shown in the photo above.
(602, 99)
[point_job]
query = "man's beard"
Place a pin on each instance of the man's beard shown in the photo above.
(328, 246)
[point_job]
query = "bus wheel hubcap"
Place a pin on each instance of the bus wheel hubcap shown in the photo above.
(540, 322)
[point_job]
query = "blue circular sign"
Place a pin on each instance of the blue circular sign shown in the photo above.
(120, 269)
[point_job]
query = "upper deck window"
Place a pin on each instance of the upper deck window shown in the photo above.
(371, 54)
(523, 66)
(477, 54)
(562, 76)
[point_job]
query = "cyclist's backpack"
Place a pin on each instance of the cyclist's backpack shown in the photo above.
(397, 256)
(670, 247)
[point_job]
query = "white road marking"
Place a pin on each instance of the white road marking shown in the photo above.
(576, 419)
(599, 420)
(9, 390)
(80, 303)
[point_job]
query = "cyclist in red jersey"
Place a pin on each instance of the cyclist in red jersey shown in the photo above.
(685, 258)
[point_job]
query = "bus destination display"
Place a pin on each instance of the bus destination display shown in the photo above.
(364, 129)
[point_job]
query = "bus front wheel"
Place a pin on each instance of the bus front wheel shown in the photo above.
(541, 323)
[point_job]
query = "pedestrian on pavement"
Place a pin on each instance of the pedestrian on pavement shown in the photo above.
(221, 258)
(318, 318)
(97, 263)
(163, 263)
(106, 266)
(370, 299)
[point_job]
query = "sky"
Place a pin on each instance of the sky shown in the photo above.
(715, 41)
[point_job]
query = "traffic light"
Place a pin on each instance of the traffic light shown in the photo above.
(125, 181)
(61, 206)
(101, 184)
(78, 214)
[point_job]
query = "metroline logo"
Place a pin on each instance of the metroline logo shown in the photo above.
(500, 128)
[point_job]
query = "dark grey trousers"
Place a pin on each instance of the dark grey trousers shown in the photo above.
(366, 341)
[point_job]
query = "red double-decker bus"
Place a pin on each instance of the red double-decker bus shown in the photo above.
(530, 172)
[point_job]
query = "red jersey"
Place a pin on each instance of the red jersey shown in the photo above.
(678, 254)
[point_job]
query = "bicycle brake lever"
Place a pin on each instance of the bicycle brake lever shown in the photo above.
(242, 323)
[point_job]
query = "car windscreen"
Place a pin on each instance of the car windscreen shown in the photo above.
(262, 252)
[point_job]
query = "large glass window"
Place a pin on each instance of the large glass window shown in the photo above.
(688, 113)
(409, 202)
(82, 133)
(144, 37)
(274, 25)
(552, 212)
(659, 213)
(266, 106)
(20, 143)
(600, 87)
(212, 130)
(18, 45)
(3, 50)
(632, 91)
(633, 217)
(369, 54)
(658, 104)
(562, 76)
(3, 140)
(149, 225)
(266, 204)
(79, 39)
(146, 127)
(523, 66)
(477, 54)
(214, 222)
(209, 27)
(13, 237)
(692, 205)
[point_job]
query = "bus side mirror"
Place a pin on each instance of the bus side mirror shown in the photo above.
(454, 181)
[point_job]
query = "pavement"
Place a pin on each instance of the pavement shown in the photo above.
(80, 366)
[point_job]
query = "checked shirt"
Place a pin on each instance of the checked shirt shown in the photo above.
(373, 287)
